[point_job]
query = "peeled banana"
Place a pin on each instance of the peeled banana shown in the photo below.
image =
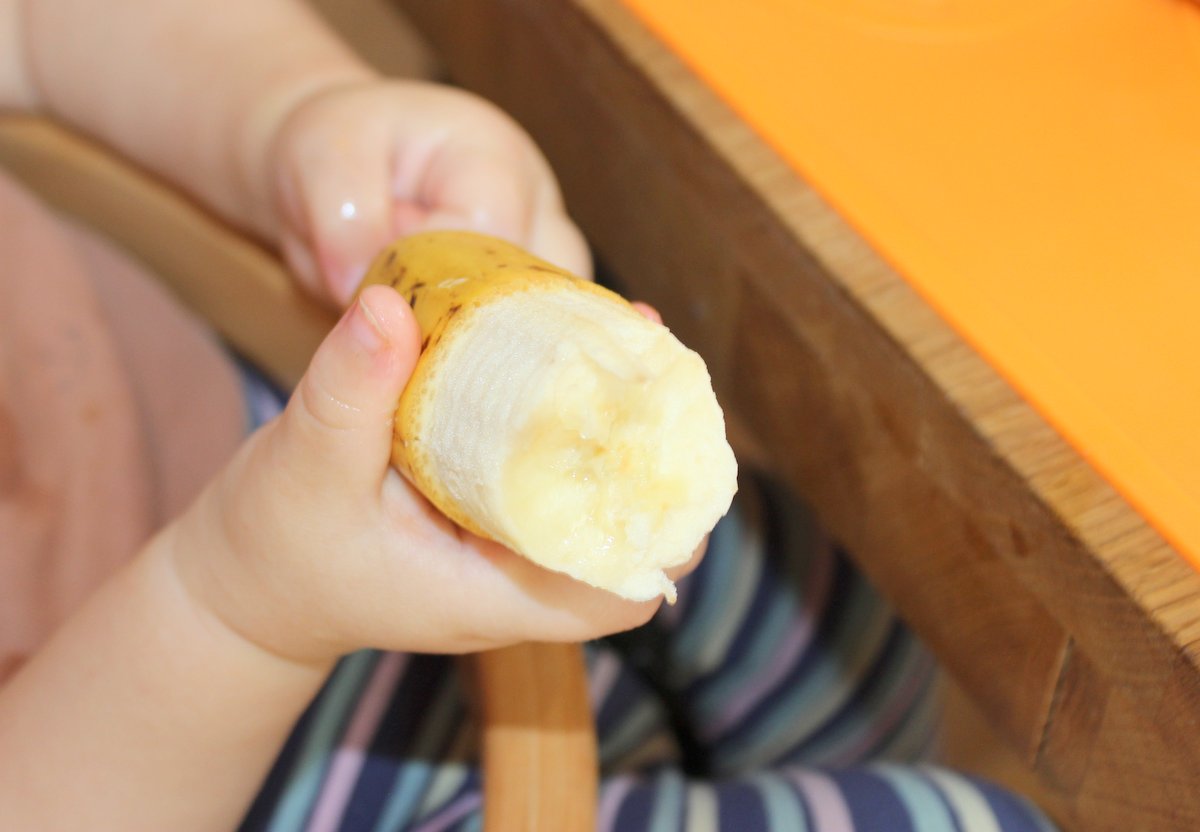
(547, 414)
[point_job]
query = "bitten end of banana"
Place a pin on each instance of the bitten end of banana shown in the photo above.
(547, 414)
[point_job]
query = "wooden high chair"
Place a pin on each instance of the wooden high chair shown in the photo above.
(538, 739)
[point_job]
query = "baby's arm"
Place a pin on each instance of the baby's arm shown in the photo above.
(259, 110)
(162, 702)
(188, 89)
(144, 712)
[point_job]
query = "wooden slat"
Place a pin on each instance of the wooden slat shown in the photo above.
(539, 745)
(1068, 619)
(238, 286)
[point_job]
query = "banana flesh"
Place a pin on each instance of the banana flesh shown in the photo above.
(547, 414)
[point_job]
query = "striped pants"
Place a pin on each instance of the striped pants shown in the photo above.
(780, 693)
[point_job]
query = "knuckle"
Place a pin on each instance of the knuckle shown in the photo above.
(320, 406)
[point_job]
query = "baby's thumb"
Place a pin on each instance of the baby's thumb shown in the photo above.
(337, 428)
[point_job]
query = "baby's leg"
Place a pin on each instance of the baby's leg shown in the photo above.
(390, 745)
(789, 681)
(876, 798)
(779, 651)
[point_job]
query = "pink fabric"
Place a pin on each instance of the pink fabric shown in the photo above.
(95, 366)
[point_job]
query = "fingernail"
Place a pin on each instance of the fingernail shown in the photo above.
(365, 326)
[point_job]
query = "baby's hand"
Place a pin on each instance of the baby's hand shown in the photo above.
(356, 166)
(310, 545)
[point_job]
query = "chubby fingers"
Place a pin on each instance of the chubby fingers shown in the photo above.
(465, 184)
(500, 189)
(338, 209)
(360, 166)
(501, 598)
(550, 606)
(555, 238)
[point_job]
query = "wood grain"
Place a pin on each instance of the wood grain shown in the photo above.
(539, 746)
(1065, 616)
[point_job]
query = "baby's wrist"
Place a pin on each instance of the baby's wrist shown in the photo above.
(218, 585)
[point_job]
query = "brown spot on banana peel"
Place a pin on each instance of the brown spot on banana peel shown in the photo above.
(414, 293)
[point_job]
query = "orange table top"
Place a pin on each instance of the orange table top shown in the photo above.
(1032, 167)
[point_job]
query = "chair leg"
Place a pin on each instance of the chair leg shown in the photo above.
(539, 739)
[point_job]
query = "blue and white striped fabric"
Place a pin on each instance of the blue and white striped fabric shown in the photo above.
(780, 693)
